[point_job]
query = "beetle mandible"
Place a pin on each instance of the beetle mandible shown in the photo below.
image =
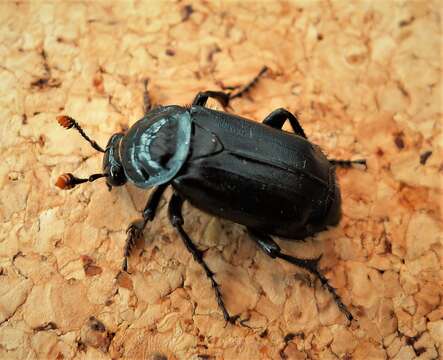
(255, 174)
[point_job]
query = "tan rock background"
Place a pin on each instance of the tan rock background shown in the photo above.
(365, 79)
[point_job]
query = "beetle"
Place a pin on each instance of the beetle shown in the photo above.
(271, 181)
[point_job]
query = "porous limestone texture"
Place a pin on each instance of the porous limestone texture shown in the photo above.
(364, 77)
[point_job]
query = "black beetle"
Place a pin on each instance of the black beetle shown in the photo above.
(272, 181)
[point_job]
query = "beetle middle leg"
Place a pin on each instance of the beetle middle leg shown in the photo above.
(270, 247)
(202, 97)
(250, 84)
(176, 218)
(135, 229)
(277, 118)
(224, 98)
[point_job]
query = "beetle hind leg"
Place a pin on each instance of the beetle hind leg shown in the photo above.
(270, 247)
(277, 118)
(176, 218)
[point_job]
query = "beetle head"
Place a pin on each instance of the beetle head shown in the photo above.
(112, 166)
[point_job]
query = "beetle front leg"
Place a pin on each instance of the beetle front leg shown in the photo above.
(135, 229)
(176, 218)
(277, 118)
(270, 247)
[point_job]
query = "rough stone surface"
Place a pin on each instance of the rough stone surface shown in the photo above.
(365, 81)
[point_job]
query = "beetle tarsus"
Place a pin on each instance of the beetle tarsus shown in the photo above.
(266, 243)
(250, 85)
(337, 298)
(135, 229)
(176, 218)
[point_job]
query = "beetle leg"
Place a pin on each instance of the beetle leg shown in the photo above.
(176, 218)
(348, 163)
(135, 229)
(251, 84)
(224, 98)
(270, 247)
(220, 96)
(277, 118)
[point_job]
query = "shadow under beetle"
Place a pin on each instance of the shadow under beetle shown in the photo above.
(258, 175)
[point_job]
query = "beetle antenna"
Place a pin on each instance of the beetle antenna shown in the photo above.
(68, 181)
(68, 122)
